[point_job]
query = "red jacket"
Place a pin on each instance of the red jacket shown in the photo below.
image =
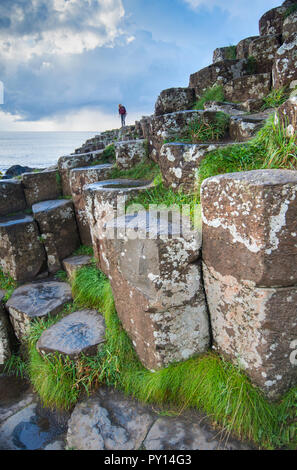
(122, 110)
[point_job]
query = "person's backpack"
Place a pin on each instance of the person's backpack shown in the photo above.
(123, 110)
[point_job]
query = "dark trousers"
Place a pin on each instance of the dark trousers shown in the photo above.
(123, 118)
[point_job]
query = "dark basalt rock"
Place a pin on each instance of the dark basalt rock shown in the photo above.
(17, 170)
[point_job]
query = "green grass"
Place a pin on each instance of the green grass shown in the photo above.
(84, 250)
(61, 276)
(107, 156)
(231, 53)
(7, 284)
(146, 170)
(215, 93)
(291, 9)
(276, 98)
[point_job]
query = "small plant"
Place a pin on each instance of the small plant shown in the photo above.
(146, 170)
(276, 98)
(59, 180)
(215, 93)
(84, 250)
(107, 156)
(291, 9)
(61, 276)
(7, 284)
(231, 53)
(16, 366)
(202, 130)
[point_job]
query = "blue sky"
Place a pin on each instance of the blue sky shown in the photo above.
(66, 64)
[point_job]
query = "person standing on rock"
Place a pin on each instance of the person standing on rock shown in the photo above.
(123, 114)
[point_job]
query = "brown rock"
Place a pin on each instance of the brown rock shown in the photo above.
(79, 178)
(223, 53)
(284, 71)
(290, 28)
(56, 220)
(248, 87)
(287, 116)
(41, 186)
(272, 21)
(254, 328)
(12, 198)
(130, 153)
(22, 255)
(242, 49)
(175, 99)
(73, 264)
(249, 226)
(264, 49)
(5, 346)
(245, 127)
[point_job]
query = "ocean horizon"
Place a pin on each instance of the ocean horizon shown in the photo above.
(38, 149)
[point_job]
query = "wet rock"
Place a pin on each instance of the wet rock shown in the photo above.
(109, 421)
(272, 21)
(155, 274)
(248, 87)
(37, 300)
(76, 334)
(287, 116)
(73, 264)
(245, 127)
(22, 255)
(41, 186)
(79, 178)
(15, 394)
(17, 170)
(242, 49)
(67, 163)
(5, 346)
(12, 198)
(284, 71)
(106, 200)
(57, 224)
(174, 100)
(264, 49)
(254, 327)
(130, 153)
(249, 226)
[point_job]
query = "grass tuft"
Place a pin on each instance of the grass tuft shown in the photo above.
(7, 284)
(84, 250)
(276, 98)
(146, 170)
(215, 93)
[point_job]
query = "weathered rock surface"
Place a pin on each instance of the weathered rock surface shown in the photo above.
(130, 153)
(174, 100)
(248, 87)
(245, 127)
(41, 186)
(242, 49)
(263, 50)
(17, 170)
(37, 300)
(287, 116)
(78, 333)
(233, 109)
(272, 21)
(12, 198)
(57, 224)
(249, 226)
(290, 28)
(73, 264)
(284, 71)
(254, 327)
(106, 200)
(79, 178)
(5, 347)
(155, 274)
(22, 255)
(222, 53)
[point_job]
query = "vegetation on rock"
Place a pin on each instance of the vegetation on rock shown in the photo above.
(215, 93)
(7, 284)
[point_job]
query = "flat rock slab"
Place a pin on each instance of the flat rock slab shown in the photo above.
(78, 333)
(111, 421)
(74, 263)
(36, 300)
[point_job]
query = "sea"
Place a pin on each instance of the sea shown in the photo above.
(38, 149)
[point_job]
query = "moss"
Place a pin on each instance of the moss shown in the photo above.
(231, 53)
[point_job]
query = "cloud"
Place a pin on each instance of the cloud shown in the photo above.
(239, 8)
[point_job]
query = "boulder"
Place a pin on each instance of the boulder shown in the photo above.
(73, 264)
(41, 186)
(79, 178)
(284, 72)
(5, 346)
(272, 21)
(17, 170)
(249, 226)
(242, 49)
(130, 153)
(106, 200)
(56, 220)
(76, 334)
(254, 328)
(22, 255)
(287, 116)
(12, 197)
(175, 99)
(249, 87)
(37, 300)
(245, 127)
(155, 272)
(263, 50)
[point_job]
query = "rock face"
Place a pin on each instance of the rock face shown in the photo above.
(249, 255)
(159, 269)
(12, 198)
(248, 87)
(272, 21)
(38, 300)
(73, 264)
(223, 53)
(106, 200)
(41, 186)
(284, 71)
(17, 170)
(79, 178)
(263, 49)
(245, 127)
(78, 333)
(175, 99)
(290, 28)
(22, 255)
(287, 115)
(130, 153)
(242, 49)
(5, 349)
(58, 228)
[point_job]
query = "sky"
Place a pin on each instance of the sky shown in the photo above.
(67, 64)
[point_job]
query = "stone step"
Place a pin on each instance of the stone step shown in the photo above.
(245, 127)
(41, 186)
(248, 87)
(106, 199)
(68, 162)
(233, 109)
(79, 178)
(58, 228)
(22, 255)
(130, 153)
(36, 300)
(74, 263)
(76, 334)
(174, 100)
(12, 197)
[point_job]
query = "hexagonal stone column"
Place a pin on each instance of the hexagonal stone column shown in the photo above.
(175, 99)
(106, 200)
(41, 186)
(38, 300)
(263, 49)
(22, 254)
(248, 87)
(76, 334)
(272, 21)
(79, 178)
(287, 116)
(242, 49)
(5, 349)
(75, 263)
(56, 220)
(12, 198)
(250, 272)
(130, 153)
(155, 273)
(284, 72)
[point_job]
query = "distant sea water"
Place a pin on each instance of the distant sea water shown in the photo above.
(38, 149)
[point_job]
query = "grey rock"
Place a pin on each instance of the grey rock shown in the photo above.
(12, 197)
(130, 153)
(74, 263)
(174, 100)
(15, 394)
